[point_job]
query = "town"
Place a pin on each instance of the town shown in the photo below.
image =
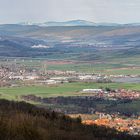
(130, 125)
(14, 74)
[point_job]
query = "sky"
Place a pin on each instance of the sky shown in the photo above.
(111, 11)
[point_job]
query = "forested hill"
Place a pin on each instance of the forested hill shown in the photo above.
(22, 121)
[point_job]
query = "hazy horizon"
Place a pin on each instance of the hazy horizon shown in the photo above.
(97, 11)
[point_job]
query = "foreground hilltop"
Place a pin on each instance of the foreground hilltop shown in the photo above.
(22, 121)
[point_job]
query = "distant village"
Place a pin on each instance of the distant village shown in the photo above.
(13, 75)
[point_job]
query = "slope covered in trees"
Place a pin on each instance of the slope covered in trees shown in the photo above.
(22, 121)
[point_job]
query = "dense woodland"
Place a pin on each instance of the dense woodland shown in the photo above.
(88, 104)
(22, 121)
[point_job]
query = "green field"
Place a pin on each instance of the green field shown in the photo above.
(68, 89)
(113, 69)
(114, 66)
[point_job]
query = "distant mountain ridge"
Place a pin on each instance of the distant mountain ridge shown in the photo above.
(70, 23)
(76, 23)
(67, 23)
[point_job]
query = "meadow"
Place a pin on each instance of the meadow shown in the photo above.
(67, 89)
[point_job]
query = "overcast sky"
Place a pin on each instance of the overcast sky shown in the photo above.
(117, 11)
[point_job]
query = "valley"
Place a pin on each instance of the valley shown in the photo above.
(91, 71)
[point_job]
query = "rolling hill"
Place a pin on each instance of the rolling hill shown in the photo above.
(73, 40)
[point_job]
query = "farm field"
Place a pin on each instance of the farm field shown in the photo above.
(67, 89)
(126, 66)
(115, 66)
(97, 68)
